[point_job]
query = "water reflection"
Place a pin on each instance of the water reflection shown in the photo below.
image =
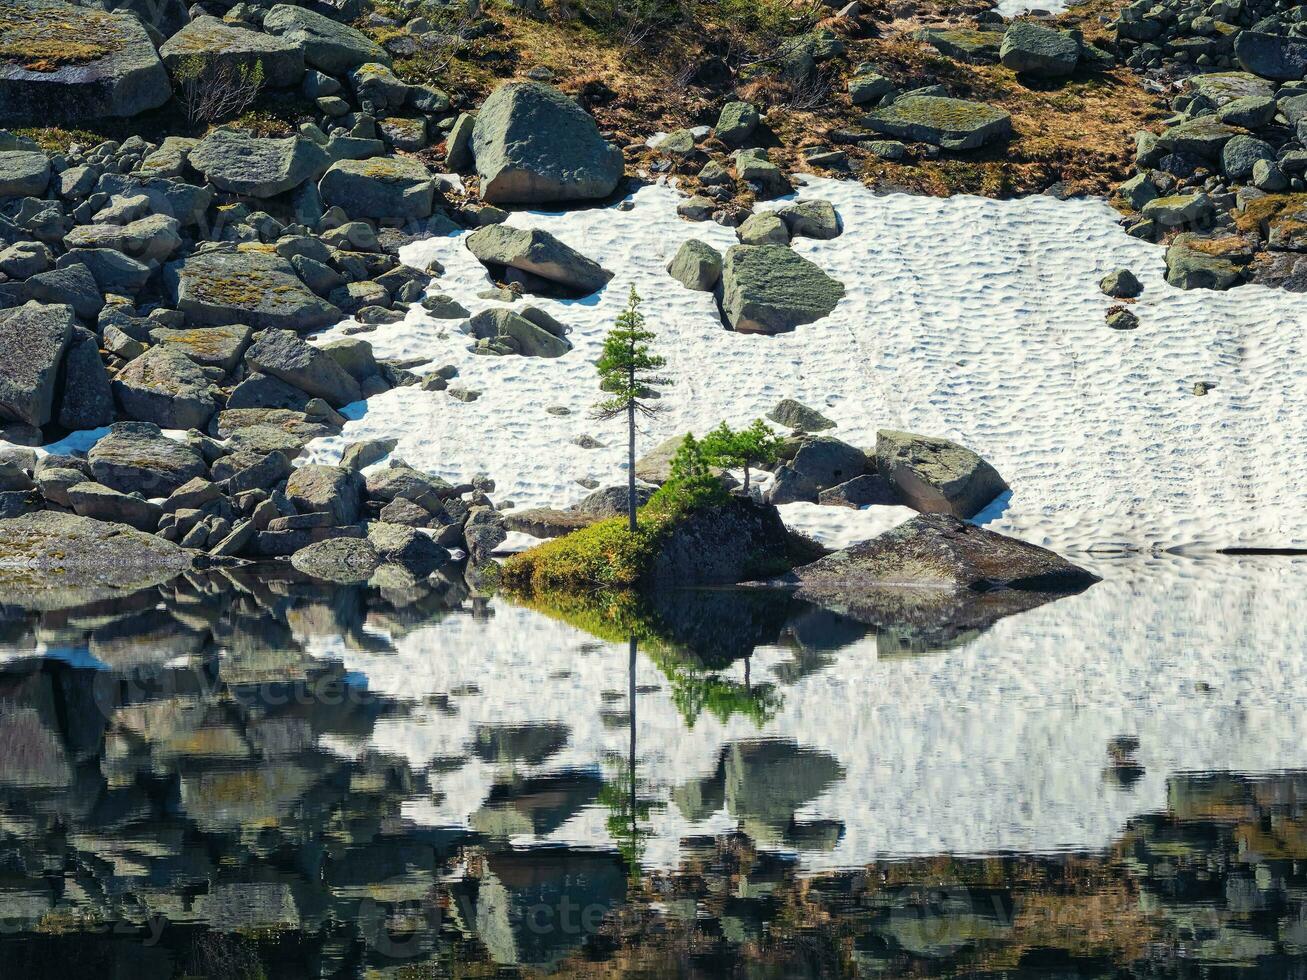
(243, 776)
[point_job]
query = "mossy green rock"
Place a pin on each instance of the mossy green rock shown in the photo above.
(953, 124)
(736, 123)
(1189, 267)
(773, 289)
(1224, 87)
(1032, 49)
(165, 387)
(533, 144)
(251, 287)
(50, 560)
(963, 43)
(61, 63)
(210, 43)
(696, 265)
(1204, 137)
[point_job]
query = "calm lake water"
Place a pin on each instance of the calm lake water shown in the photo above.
(254, 776)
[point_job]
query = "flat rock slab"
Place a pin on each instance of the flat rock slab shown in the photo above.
(214, 43)
(1223, 87)
(256, 288)
(240, 163)
(533, 144)
(284, 356)
(1033, 49)
(963, 43)
(773, 289)
(219, 347)
(50, 560)
(940, 551)
(24, 173)
(538, 253)
(136, 456)
(952, 124)
(64, 63)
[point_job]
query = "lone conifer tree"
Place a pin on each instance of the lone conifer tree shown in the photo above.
(627, 374)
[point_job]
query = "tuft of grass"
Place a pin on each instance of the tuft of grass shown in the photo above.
(608, 555)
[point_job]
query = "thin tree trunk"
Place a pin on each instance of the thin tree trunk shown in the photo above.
(630, 698)
(746, 479)
(630, 459)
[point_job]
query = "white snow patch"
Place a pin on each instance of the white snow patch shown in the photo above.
(964, 317)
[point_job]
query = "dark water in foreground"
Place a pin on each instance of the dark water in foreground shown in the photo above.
(257, 777)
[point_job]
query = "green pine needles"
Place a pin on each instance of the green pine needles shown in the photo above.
(628, 374)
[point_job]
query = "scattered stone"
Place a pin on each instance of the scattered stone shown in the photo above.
(772, 289)
(940, 551)
(736, 123)
(763, 228)
(33, 339)
(329, 46)
(811, 219)
(1033, 49)
(538, 253)
(251, 287)
(135, 456)
(523, 336)
(1119, 318)
(799, 417)
(696, 265)
(23, 173)
(1121, 284)
(331, 490)
(240, 163)
(394, 189)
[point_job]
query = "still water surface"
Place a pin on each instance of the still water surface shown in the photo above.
(246, 776)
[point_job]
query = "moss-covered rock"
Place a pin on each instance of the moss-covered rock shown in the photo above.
(382, 188)
(952, 124)
(252, 287)
(241, 163)
(963, 43)
(329, 46)
(63, 63)
(207, 43)
(773, 289)
(533, 145)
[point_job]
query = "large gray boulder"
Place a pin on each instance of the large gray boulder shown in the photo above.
(217, 45)
(936, 476)
(33, 339)
(533, 145)
(328, 45)
(241, 163)
(51, 560)
(89, 499)
(245, 286)
(284, 356)
(952, 124)
(773, 289)
(940, 551)
(522, 335)
(62, 63)
(395, 188)
(24, 173)
(1275, 56)
(136, 456)
(1033, 49)
(538, 253)
(165, 387)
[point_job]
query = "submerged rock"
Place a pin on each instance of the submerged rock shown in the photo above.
(773, 289)
(941, 551)
(533, 144)
(49, 560)
(341, 560)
